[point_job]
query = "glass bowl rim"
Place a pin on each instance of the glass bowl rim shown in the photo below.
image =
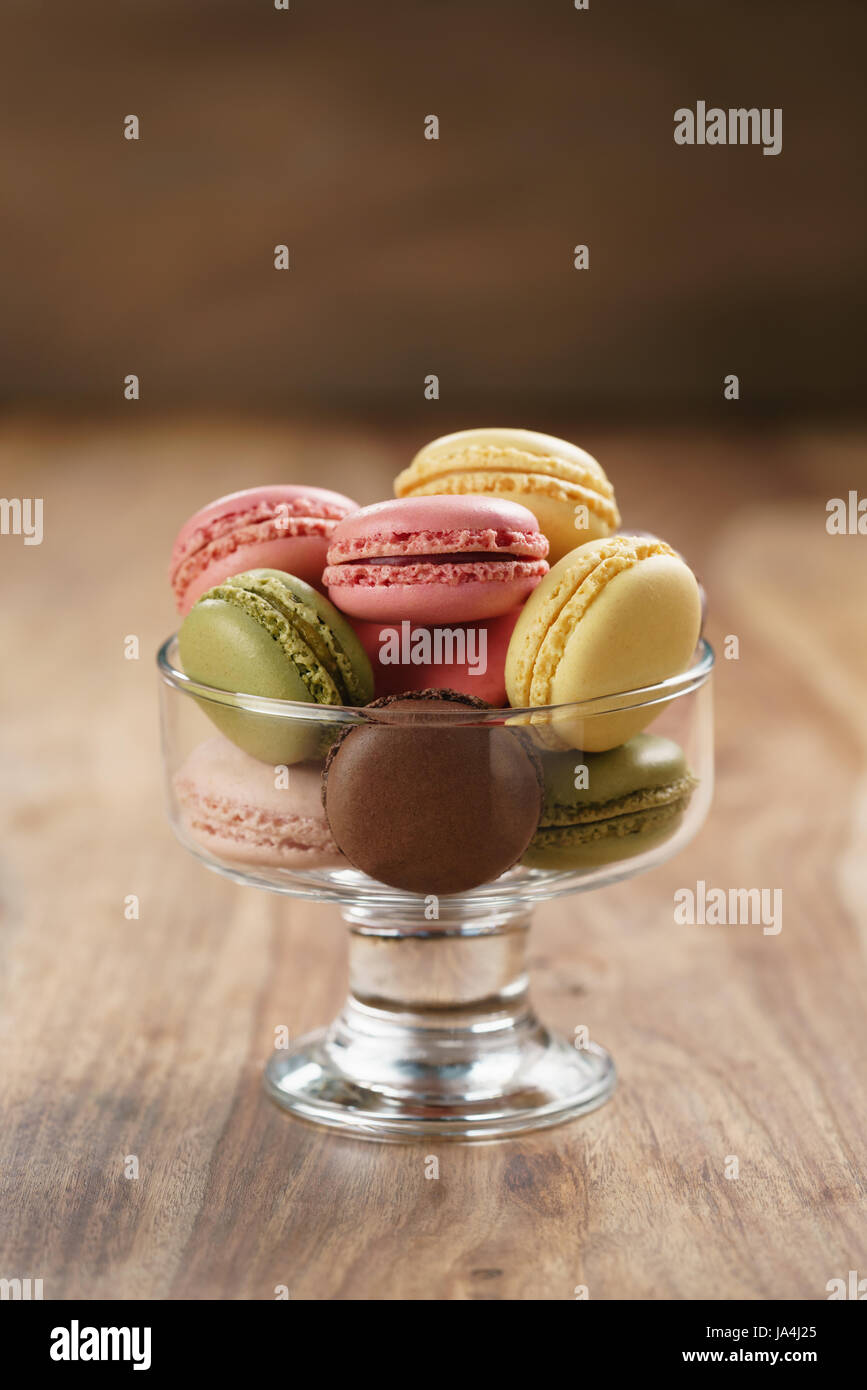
(671, 688)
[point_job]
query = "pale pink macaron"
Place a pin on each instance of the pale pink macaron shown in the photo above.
(285, 527)
(249, 812)
(435, 560)
(467, 657)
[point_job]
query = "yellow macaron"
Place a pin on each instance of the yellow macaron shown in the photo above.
(564, 487)
(614, 615)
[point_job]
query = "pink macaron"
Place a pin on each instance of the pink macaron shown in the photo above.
(435, 560)
(467, 657)
(248, 812)
(283, 527)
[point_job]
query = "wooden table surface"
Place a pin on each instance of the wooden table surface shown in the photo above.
(148, 1037)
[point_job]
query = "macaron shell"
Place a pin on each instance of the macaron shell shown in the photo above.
(352, 660)
(636, 834)
(231, 805)
(226, 646)
(434, 594)
(646, 771)
(641, 629)
(559, 509)
(286, 525)
(391, 677)
(637, 533)
(303, 556)
(614, 616)
(412, 525)
(429, 805)
(504, 450)
(559, 517)
(223, 645)
(414, 532)
(296, 498)
(635, 799)
(572, 581)
(550, 476)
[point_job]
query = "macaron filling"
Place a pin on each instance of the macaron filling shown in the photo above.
(412, 570)
(557, 815)
(427, 544)
(444, 557)
(455, 557)
(648, 810)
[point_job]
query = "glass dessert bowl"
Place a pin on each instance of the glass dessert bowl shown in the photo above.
(436, 826)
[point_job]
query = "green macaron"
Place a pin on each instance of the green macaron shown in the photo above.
(268, 633)
(601, 807)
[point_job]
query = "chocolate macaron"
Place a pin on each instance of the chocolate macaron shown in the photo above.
(425, 799)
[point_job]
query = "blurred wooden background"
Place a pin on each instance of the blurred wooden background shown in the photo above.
(410, 256)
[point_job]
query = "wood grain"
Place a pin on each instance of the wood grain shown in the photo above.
(148, 1037)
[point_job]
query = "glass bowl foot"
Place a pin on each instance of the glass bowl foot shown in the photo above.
(437, 1037)
(548, 1082)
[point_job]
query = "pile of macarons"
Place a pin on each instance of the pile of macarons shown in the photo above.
(496, 577)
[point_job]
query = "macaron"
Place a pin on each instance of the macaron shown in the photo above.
(636, 534)
(268, 633)
(602, 807)
(467, 657)
(435, 560)
(426, 800)
(282, 527)
(241, 810)
(563, 486)
(615, 615)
